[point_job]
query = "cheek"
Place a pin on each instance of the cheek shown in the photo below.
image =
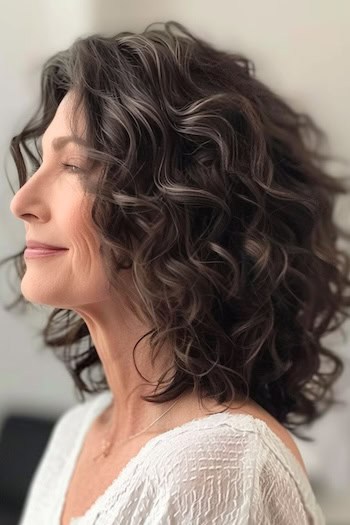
(84, 235)
(86, 254)
(86, 244)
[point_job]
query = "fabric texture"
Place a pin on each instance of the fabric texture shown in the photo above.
(224, 468)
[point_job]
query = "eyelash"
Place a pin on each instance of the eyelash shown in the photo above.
(68, 167)
(71, 168)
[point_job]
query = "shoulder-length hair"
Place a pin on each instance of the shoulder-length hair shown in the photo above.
(212, 196)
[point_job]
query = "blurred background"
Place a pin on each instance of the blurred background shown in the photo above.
(301, 50)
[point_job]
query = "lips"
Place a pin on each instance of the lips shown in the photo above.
(41, 246)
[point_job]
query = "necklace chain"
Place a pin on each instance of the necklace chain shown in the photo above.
(107, 444)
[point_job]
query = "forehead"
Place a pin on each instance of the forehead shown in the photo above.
(66, 122)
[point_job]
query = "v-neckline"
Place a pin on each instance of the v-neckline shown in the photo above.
(100, 403)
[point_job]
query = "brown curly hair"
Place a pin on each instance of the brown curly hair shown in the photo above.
(210, 193)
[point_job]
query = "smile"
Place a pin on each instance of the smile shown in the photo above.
(31, 253)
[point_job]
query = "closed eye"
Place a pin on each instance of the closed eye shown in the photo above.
(72, 168)
(69, 167)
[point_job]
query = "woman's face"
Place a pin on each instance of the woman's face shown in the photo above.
(56, 211)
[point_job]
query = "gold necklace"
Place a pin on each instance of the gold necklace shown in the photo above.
(107, 443)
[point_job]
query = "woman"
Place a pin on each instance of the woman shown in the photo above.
(189, 218)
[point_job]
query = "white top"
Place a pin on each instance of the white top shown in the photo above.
(223, 469)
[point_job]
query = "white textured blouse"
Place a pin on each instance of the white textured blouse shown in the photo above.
(221, 469)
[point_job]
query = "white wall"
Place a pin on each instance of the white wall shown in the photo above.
(300, 49)
(30, 33)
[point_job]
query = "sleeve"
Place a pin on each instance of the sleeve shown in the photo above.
(277, 498)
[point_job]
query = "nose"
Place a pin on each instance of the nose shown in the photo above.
(25, 204)
(17, 205)
(14, 205)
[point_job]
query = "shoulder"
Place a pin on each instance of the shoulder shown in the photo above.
(277, 429)
(202, 449)
(202, 473)
(250, 407)
(216, 431)
(219, 469)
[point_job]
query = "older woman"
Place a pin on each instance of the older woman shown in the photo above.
(174, 206)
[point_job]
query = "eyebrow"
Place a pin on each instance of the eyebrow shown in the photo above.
(60, 142)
